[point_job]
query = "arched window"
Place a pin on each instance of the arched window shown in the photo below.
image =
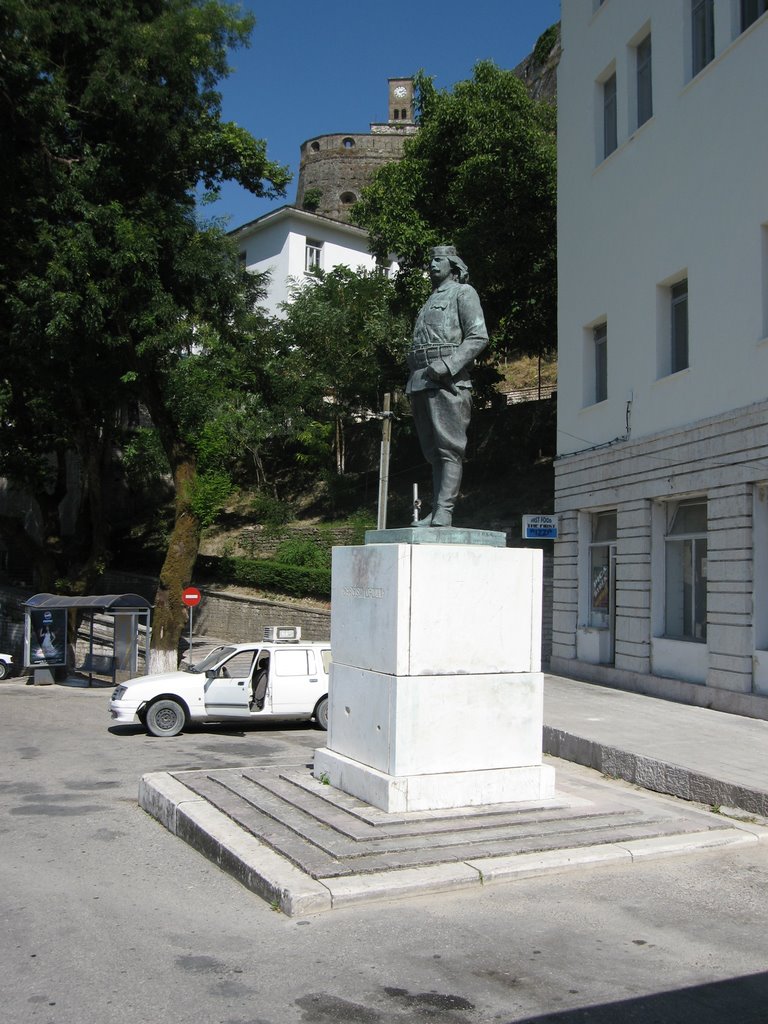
(348, 143)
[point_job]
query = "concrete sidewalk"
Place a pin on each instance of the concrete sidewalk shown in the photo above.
(689, 752)
(307, 848)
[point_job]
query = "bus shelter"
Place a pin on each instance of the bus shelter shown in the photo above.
(46, 627)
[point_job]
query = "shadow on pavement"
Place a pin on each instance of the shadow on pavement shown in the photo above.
(234, 729)
(736, 1001)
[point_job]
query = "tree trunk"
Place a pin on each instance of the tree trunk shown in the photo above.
(340, 447)
(170, 616)
(91, 531)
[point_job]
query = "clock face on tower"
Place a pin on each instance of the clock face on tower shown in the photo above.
(400, 92)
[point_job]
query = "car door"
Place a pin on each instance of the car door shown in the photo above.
(295, 681)
(228, 693)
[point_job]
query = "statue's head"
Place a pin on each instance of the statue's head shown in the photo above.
(459, 269)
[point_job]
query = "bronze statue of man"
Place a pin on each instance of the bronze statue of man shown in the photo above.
(449, 332)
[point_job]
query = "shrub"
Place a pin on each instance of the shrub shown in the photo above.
(265, 575)
(544, 44)
(312, 198)
(209, 495)
(303, 552)
(271, 511)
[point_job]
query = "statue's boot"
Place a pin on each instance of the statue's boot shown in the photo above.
(450, 482)
(437, 478)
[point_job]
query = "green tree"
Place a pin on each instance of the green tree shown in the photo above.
(111, 291)
(480, 174)
(343, 345)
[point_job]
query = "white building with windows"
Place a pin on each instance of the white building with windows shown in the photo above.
(289, 242)
(661, 570)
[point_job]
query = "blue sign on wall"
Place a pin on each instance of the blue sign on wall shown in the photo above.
(540, 527)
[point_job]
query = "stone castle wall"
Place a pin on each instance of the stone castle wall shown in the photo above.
(340, 166)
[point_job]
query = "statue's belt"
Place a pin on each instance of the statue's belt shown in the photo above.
(420, 358)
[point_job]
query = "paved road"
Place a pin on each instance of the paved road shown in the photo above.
(105, 917)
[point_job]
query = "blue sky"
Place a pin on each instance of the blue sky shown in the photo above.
(322, 67)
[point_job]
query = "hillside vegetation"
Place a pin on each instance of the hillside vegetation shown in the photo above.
(277, 541)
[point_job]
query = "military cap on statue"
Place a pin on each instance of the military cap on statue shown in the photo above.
(449, 251)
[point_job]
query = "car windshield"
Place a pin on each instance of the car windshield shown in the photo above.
(212, 659)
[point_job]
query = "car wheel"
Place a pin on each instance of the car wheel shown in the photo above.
(165, 718)
(5, 670)
(321, 713)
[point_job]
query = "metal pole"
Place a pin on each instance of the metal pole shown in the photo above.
(386, 434)
(190, 636)
(415, 506)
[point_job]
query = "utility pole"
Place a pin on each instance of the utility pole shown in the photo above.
(386, 434)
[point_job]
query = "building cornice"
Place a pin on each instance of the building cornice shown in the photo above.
(289, 212)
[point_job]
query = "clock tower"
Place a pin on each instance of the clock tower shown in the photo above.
(336, 168)
(400, 101)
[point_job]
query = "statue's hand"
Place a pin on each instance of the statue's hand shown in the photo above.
(438, 372)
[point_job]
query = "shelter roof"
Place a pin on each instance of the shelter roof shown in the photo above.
(96, 602)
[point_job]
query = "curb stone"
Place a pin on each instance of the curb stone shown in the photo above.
(286, 887)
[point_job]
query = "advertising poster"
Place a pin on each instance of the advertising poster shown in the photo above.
(600, 587)
(46, 637)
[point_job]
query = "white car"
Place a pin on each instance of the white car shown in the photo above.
(234, 681)
(6, 665)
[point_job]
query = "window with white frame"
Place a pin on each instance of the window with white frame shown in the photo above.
(603, 536)
(672, 348)
(685, 590)
(751, 10)
(678, 325)
(312, 255)
(702, 34)
(644, 80)
(600, 341)
(610, 111)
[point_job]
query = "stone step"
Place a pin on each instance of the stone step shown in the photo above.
(326, 836)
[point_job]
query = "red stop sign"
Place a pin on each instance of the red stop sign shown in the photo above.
(191, 596)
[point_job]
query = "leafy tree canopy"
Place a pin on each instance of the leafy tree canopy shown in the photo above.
(111, 291)
(342, 348)
(480, 174)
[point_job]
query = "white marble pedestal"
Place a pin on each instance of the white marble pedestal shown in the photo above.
(436, 691)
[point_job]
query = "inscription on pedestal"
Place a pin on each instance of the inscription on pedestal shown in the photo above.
(365, 593)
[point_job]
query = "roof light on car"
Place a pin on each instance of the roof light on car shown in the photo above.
(282, 634)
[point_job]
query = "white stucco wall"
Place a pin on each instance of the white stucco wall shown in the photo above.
(277, 243)
(683, 195)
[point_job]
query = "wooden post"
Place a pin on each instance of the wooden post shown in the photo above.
(386, 434)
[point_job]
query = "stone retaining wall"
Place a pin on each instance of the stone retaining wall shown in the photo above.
(235, 617)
